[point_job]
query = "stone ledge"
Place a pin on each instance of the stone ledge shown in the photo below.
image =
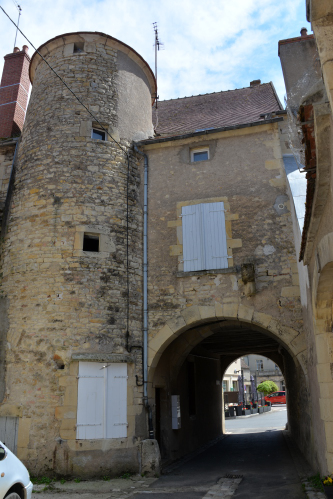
(103, 357)
(229, 270)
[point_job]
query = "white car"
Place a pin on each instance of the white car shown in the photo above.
(14, 477)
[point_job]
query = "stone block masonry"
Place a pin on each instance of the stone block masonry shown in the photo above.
(62, 298)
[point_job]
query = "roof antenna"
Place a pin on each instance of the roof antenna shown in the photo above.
(157, 46)
(18, 20)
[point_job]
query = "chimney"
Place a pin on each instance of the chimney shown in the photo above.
(14, 90)
(304, 32)
(254, 83)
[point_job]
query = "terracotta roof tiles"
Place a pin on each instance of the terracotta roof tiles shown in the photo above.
(216, 110)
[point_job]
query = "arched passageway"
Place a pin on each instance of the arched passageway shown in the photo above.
(189, 373)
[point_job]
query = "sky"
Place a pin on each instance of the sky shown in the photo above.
(207, 46)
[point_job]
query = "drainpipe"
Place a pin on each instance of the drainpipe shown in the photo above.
(145, 292)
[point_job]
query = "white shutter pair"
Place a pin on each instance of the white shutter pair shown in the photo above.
(204, 237)
(102, 401)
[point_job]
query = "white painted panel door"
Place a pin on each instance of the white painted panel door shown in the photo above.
(116, 409)
(215, 237)
(192, 238)
(90, 407)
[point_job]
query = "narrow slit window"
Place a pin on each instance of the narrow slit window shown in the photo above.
(91, 242)
(98, 134)
(78, 47)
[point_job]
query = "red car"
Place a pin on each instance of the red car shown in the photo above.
(276, 398)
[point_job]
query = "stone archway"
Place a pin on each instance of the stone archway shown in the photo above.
(195, 336)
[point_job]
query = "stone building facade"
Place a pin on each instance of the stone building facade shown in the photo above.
(125, 297)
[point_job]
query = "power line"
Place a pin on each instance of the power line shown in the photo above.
(114, 140)
(68, 88)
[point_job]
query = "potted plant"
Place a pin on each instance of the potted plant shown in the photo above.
(246, 412)
(328, 486)
(260, 409)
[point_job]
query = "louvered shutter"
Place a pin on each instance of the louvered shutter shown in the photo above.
(204, 237)
(215, 237)
(116, 412)
(90, 407)
(192, 238)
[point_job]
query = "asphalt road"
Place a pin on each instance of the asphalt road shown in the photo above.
(253, 448)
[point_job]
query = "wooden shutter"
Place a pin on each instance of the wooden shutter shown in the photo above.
(192, 238)
(116, 411)
(215, 237)
(204, 237)
(90, 406)
(102, 400)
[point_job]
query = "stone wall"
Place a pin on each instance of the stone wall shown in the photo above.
(61, 299)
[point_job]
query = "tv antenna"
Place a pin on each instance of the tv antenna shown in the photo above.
(18, 20)
(158, 44)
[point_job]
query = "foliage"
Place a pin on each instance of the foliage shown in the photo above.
(316, 482)
(267, 387)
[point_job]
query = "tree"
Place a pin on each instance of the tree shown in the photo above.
(267, 387)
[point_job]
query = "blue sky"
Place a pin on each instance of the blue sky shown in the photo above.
(208, 46)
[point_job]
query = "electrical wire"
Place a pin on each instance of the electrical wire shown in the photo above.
(68, 88)
(120, 147)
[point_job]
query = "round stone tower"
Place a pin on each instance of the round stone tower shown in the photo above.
(71, 379)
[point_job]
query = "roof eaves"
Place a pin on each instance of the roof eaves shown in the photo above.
(207, 132)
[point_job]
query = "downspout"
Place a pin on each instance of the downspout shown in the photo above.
(145, 293)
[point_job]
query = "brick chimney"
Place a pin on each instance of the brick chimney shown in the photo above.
(14, 89)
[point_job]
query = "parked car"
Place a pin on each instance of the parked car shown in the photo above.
(276, 398)
(14, 477)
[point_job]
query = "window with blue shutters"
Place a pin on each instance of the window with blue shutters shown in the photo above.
(102, 401)
(204, 237)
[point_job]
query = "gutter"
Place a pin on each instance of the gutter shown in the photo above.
(145, 293)
(208, 132)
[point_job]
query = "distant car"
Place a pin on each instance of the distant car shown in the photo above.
(276, 398)
(14, 477)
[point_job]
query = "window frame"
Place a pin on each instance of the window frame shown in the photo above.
(199, 150)
(98, 130)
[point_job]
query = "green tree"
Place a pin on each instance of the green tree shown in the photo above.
(267, 387)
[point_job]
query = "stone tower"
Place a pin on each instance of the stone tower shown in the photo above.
(64, 256)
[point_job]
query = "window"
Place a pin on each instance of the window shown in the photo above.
(225, 385)
(235, 386)
(204, 237)
(78, 47)
(102, 401)
(90, 242)
(98, 134)
(200, 154)
(260, 365)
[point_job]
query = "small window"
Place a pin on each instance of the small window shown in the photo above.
(98, 134)
(260, 365)
(224, 386)
(91, 242)
(200, 155)
(78, 47)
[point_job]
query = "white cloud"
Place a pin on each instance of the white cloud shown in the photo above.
(211, 46)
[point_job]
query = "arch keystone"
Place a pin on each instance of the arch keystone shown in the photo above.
(191, 314)
(230, 310)
(207, 312)
(245, 313)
